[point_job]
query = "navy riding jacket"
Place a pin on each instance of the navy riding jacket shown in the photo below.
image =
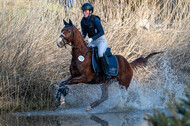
(97, 24)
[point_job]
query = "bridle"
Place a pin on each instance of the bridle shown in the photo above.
(68, 39)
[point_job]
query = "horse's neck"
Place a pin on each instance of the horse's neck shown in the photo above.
(78, 44)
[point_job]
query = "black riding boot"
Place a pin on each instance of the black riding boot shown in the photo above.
(104, 66)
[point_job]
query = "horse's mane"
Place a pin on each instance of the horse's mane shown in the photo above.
(79, 35)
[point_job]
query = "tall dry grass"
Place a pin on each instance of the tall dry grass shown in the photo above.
(30, 61)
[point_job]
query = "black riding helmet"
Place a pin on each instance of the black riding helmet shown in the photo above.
(87, 6)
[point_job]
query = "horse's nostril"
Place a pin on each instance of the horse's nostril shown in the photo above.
(60, 44)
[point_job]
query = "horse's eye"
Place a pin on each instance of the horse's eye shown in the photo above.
(69, 31)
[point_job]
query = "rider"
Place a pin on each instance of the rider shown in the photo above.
(91, 25)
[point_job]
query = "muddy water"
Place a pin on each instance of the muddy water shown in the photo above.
(77, 117)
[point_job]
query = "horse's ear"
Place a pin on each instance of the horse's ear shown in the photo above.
(70, 22)
(65, 23)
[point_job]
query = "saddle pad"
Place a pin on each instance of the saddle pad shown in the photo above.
(113, 64)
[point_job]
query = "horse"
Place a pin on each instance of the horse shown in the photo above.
(81, 70)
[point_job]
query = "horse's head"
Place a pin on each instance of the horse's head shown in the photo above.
(67, 34)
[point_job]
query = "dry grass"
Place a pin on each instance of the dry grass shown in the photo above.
(30, 60)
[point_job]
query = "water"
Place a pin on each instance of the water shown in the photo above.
(77, 117)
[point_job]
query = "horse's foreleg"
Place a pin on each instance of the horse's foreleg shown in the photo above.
(76, 80)
(63, 90)
(104, 97)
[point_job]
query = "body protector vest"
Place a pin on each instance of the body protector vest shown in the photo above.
(90, 27)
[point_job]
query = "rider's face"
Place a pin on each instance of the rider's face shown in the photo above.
(86, 13)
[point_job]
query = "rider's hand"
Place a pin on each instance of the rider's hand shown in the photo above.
(89, 40)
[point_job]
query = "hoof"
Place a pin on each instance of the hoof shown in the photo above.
(88, 108)
(62, 100)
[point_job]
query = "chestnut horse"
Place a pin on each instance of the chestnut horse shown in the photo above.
(82, 71)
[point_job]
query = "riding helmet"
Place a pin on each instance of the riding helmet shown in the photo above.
(87, 6)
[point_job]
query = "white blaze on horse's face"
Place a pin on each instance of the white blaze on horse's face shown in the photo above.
(60, 41)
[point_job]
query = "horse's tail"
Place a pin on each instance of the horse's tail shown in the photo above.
(141, 61)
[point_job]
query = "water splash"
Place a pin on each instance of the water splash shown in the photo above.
(137, 96)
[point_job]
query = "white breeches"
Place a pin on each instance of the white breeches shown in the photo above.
(101, 43)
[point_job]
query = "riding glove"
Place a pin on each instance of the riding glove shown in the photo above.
(89, 40)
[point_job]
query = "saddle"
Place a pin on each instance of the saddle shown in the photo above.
(111, 60)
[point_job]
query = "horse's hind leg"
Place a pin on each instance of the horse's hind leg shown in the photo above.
(125, 71)
(104, 97)
(125, 78)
